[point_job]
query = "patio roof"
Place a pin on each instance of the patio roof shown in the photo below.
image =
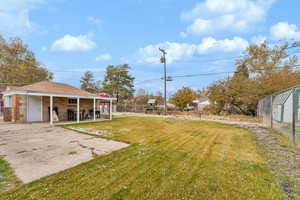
(49, 88)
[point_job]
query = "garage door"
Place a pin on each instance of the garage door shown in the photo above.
(34, 113)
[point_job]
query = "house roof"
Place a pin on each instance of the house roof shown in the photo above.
(49, 87)
(201, 100)
(103, 94)
(151, 101)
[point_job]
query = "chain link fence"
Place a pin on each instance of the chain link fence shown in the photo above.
(135, 108)
(281, 111)
(156, 109)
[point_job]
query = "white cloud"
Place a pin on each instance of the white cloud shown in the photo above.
(211, 45)
(73, 43)
(284, 30)
(183, 51)
(14, 16)
(104, 57)
(94, 20)
(218, 16)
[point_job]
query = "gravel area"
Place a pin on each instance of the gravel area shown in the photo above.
(283, 158)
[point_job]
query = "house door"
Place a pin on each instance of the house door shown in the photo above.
(34, 108)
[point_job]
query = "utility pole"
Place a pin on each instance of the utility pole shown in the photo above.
(163, 60)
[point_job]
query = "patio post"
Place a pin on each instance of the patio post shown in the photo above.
(110, 109)
(78, 110)
(51, 110)
(94, 109)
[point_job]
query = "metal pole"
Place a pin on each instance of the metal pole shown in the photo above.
(294, 116)
(271, 110)
(165, 79)
(165, 95)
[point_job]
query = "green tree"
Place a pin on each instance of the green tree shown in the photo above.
(262, 71)
(87, 82)
(217, 95)
(183, 97)
(18, 65)
(263, 59)
(118, 82)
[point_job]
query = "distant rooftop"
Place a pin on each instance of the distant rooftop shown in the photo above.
(151, 101)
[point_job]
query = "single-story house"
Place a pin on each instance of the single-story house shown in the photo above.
(201, 103)
(104, 106)
(33, 103)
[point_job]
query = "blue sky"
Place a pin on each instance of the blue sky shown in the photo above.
(201, 36)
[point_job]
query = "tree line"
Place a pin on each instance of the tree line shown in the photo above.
(263, 70)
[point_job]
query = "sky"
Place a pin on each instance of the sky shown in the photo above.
(200, 36)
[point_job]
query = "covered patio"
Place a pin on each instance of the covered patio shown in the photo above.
(55, 103)
(75, 109)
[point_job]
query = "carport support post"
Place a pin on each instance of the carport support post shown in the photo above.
(51, 110)
(94, 109)
(78, 114)
(110, 109)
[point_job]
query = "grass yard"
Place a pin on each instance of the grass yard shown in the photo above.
(169, 160)
(7, 177)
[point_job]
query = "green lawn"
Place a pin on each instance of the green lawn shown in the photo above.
(169, 160)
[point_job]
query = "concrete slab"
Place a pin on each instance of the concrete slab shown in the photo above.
(38, 150)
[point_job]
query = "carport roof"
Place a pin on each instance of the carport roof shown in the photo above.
(49, 87)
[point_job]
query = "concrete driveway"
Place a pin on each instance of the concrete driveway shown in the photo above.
(38, 150)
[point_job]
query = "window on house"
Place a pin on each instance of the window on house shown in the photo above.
(72, 101)
(8, 102)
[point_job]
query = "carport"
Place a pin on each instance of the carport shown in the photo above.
(54, 102)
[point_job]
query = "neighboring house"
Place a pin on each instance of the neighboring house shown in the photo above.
(151, 102)
(33, 103)
(1, 101)
(201, 103)
(104, 106)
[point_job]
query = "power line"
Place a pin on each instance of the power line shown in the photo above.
(212, 74)
(293, 45)
(184, 75)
